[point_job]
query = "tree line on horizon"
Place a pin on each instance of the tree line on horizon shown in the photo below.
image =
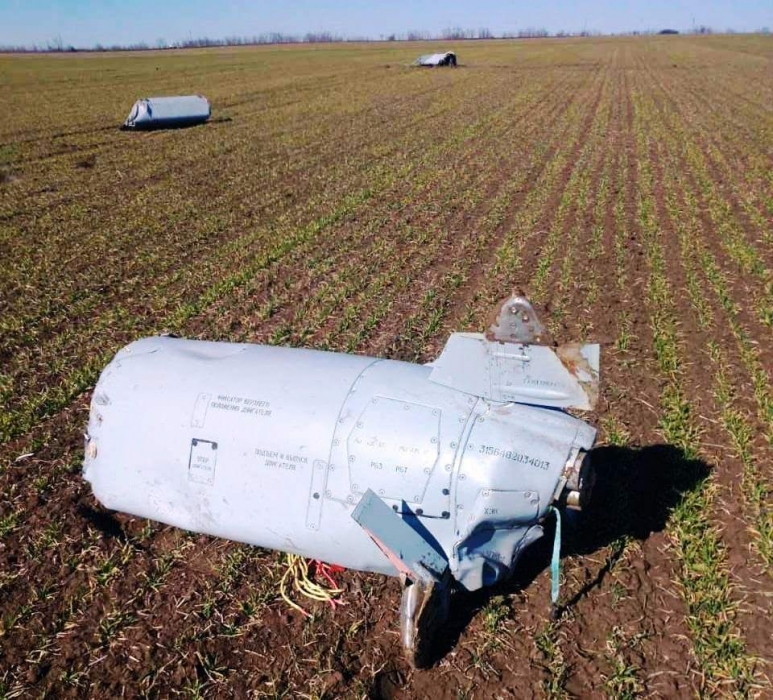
(57, 45)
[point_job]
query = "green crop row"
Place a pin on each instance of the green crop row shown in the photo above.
(704, 575)
(696, 259)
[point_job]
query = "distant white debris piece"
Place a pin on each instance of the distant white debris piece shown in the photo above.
(436, 59)
(168, 112)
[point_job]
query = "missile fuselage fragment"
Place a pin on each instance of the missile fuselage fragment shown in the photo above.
(277, 446)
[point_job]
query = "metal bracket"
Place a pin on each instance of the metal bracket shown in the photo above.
(409, 552)
(517, 322)
(425, 573)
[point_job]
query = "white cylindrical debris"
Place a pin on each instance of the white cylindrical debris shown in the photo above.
(276, 446)
(168, 112)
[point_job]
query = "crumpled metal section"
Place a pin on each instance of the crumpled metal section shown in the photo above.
(433, 60)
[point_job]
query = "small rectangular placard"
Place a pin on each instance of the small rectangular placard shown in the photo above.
(201, 465)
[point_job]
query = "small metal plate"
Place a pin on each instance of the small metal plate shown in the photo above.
(495, 510)
(318, 478)
(200, 410)
(202, 462)
(410, 553)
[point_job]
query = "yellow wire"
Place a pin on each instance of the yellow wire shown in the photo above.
(298, 570)
(283, 590)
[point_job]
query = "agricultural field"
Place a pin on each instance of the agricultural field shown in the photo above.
(341, 200)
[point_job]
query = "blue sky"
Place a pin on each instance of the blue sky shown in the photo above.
(87, 22)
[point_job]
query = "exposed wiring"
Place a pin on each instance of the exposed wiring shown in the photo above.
(300, 574)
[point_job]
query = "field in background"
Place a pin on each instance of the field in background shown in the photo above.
(341, 200)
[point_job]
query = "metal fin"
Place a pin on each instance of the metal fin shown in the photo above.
(564, 377)
(515, 361)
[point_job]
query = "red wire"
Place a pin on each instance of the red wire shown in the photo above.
(327, 571)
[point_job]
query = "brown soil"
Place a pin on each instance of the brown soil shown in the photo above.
(101, 604)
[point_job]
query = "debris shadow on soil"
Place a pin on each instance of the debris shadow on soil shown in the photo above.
(635, 492)
(104, 521)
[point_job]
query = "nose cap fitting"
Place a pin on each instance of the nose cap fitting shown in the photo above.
(579, 483)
